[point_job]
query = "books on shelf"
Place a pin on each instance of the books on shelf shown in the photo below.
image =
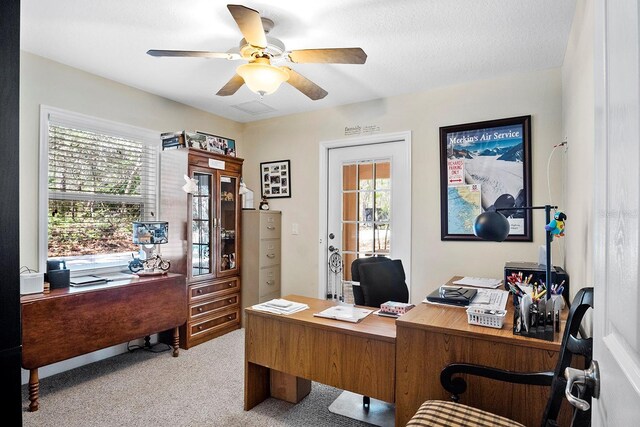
(280, 306)
(346, 313)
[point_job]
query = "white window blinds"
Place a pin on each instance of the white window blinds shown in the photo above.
(100, 179)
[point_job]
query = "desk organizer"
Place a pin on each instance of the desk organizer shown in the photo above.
(484, 317)
(543, 329)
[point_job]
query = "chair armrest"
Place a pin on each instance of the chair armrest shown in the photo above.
(457, 385)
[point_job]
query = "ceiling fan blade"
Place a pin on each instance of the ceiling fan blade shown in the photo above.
(250, 24)
(348, 55)
(194, 53)
(232, 86)
(305, 85)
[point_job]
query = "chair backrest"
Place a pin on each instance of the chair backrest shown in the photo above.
(571, 345)
(382, 281)
(358, 296)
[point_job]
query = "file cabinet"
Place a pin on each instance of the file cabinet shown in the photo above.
(261, 232)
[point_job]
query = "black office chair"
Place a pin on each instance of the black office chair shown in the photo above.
(432, 412)
(380, 279)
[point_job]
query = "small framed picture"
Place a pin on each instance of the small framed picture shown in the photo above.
(276, 179)
(219, 144)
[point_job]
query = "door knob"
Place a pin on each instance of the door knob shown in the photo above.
(332, 248)
(589, 377)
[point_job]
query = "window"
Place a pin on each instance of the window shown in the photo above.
(366, 210)
(98, 177)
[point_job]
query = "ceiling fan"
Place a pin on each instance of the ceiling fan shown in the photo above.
(261, 50)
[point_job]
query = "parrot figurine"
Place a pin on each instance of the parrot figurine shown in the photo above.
(556, 226)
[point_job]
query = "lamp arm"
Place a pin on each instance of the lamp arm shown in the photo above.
(527, 208)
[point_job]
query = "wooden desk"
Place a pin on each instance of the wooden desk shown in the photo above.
(284, 353)
(69, 322)
(429, 337)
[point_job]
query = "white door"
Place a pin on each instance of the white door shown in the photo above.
(368, 204)
(617, 213)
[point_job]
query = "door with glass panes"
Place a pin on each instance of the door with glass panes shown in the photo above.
(369, 209)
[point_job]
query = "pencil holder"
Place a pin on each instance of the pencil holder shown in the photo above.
(535, 323)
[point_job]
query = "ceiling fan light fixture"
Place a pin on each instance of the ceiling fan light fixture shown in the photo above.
(261, 77)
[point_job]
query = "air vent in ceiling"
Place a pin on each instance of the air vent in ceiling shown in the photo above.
(255, 108)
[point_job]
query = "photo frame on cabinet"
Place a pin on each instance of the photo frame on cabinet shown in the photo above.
(484, 166)
(276, 179)
(219, 144)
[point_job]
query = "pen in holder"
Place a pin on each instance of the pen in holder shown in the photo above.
(535, 316)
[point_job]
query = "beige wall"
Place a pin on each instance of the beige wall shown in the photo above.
(578, 126)
(50, 83)
(297, 137)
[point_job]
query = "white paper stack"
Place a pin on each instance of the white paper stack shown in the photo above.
(479, 282)
(280, 306)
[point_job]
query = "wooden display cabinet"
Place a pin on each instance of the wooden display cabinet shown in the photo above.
(204, 236)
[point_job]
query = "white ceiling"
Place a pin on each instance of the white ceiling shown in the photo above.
(412, 45)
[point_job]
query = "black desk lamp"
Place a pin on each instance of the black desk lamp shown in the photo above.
(494, 226)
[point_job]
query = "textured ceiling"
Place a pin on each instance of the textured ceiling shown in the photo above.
(412, 45)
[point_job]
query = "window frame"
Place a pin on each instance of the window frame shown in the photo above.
(51, 115)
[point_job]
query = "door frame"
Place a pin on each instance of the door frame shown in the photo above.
(403, 137)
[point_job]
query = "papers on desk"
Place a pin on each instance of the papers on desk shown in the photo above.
(488, 299)
(479, 282)
(346, 313)
(280, 306)
(88, 280)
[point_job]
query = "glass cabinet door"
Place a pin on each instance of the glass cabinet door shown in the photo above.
(201, 221)
(228, 224)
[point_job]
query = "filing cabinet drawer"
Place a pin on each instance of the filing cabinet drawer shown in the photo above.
(268, 297)
(202, 309)
(206, 290)
(214, 323)
(270, 226)
(269, 253)
(269, 280)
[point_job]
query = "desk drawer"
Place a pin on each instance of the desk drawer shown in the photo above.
(206, 290)
(269, 253)
(214, 323)
(197, 311)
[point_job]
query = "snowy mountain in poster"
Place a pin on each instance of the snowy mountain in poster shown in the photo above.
(493, 158)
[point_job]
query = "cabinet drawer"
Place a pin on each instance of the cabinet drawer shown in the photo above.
(206, 290)
(269, 297)
(269, 253)
(269, 280)
(214, 323)
(197, 311)
(270, 226)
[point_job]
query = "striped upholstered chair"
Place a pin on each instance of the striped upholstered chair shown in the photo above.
(440, 413)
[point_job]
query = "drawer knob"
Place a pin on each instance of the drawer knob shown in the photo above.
(200, 327)
(270, 227)
(271, 282)
(231, 317)
(230, 284)
(200, 309)
(231, 300)
(199, 291)
(271, 256)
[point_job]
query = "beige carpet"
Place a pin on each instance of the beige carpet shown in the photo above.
(202, 387)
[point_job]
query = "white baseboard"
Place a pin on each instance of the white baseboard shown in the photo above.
(85, 359)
